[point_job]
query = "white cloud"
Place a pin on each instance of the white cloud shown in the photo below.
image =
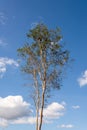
(76, 107)
(13, 107)
(83, 80)
(14, 110)
(3, 18)
(4, 62)
(53, 111)
(24, 120)
(3, 123)
(65, 126)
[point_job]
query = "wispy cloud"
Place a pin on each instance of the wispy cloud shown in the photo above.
(83, 79)
(34, 24)
(63, 103)
(3, 18)
(4, 62)
(3, 42)
(76, 107)
(65, 126)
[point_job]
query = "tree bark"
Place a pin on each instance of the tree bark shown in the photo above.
(41, 113)
(43, 63)
(36, 119)
(36, 100)
(37, 111)
(42, 100)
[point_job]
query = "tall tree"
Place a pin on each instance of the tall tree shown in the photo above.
(44, 57)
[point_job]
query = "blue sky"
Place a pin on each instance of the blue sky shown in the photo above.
(68, 108)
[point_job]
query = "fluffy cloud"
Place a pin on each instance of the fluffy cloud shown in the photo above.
(76, 107)
(83, 80)
(4, 62)
(14, 110)
(66, 126)
(24, 120)
(13, 107)
(3, 123)
(53, 111)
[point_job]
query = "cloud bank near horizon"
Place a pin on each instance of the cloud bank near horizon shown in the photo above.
(14, 110)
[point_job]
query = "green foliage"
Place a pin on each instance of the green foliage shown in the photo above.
(46, 48)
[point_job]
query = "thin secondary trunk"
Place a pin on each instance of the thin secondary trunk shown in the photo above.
(37, 111)
(41, 113)
(36, 119)
(43, 98)
(36, 101)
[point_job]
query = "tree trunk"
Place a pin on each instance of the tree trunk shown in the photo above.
(36, 100)
(37, 111)
(41, 113)
(42, 106)
(36, 119)
(43, 62)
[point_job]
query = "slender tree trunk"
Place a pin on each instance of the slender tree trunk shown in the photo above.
(36, 100)
(43, 62)
(37, 111)
(36, 119)
(42, 106)
(41, 114)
